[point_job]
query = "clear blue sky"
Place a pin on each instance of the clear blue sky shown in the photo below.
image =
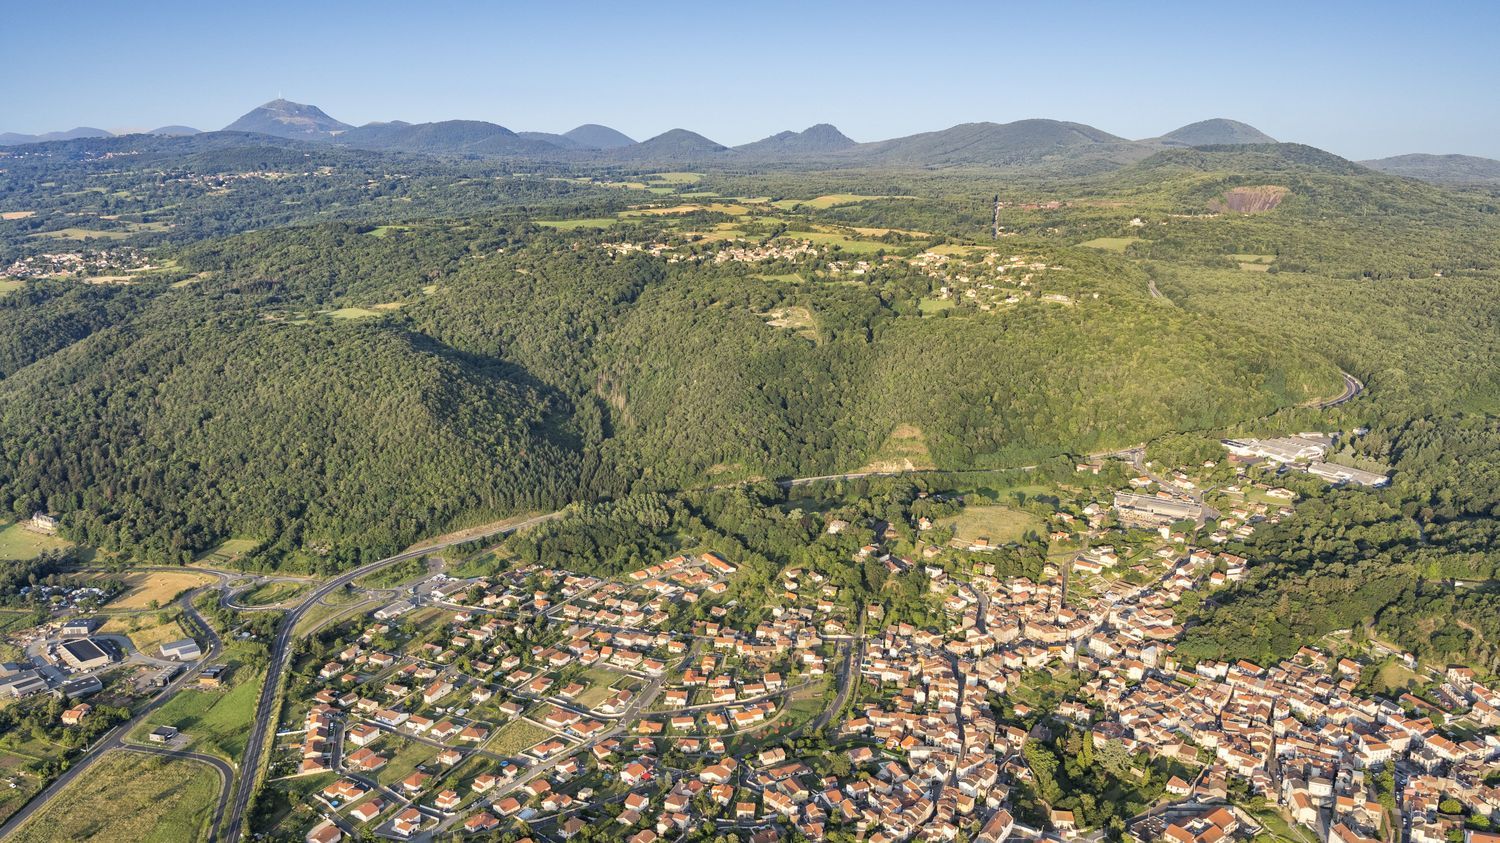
(1361, 79)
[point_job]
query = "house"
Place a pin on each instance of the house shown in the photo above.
(43, 522)
(325, 832)
(481, 822)
(75, 715)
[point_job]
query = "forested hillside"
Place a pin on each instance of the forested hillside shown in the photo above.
(460, 342)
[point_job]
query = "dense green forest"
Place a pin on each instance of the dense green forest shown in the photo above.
(338, 352)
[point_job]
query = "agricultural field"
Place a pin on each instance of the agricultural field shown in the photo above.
(17, 542)
(997, 523)
(835, 239)
(8, 285)
(153, 589)
(130, 796)
(573, 225)
(823, 203)
(82, 234)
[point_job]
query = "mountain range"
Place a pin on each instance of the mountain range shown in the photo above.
(1029, 144)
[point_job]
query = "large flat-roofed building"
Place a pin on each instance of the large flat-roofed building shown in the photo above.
(1152, 510)
(80, 626)
(1285, 450)
(22, 684)
(83, 654)
(184, 651)
(1335, 473)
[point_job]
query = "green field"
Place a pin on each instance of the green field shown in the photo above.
(1111, 244)
(789, 277)
(829, 238)
(515, 737)
(272, 593)
(214, 721)
(999, 524)
(8, 285)
(931, 304)
(130, 796)
(82, 234)
(228, 551)
(584, 222)
(829, 200)
(676, 178)
(17, 542)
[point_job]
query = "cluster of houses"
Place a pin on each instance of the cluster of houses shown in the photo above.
(929, 757)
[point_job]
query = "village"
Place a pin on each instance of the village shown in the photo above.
(554, 703)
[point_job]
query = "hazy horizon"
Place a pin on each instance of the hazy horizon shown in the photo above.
(1362, 80)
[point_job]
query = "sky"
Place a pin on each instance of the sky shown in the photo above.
(1364, 80)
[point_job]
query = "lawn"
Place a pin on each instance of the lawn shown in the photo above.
(130, 796)
(215, 721)
(1111, 244)
(410, 755)
(8, 285)
(931, 304)
(997, 523)
(151, 589)
(584, 222)
(17, 542)
(228, 550)
(516, 737)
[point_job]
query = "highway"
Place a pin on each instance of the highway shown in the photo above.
(265, 710)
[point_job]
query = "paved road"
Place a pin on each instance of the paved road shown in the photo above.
(265, 716)
(115, 738)
(226, 777)
(1352, 388)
